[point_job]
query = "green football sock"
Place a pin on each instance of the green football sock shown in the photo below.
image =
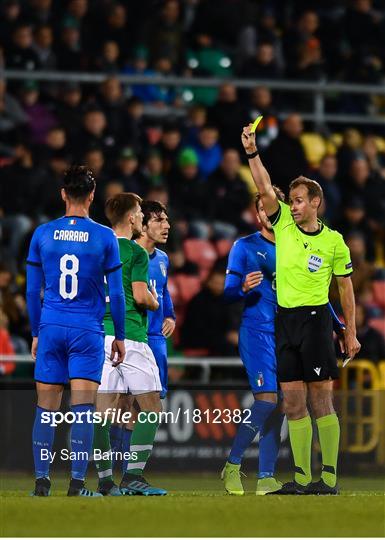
(329, 438)
(102, 445)
(301, 434)
(142, 441)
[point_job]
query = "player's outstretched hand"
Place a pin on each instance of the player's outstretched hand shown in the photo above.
(118, 352)
(252, 280)
(34, 348)
(168, 327)
(351, 347)
(248, 139)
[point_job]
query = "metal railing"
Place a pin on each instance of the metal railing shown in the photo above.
(318, 89)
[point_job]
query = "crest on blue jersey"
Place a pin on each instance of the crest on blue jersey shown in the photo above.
(163, 268)
(314, 263)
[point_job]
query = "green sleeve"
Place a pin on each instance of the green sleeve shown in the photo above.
(342, 263)
(282, 217)
(140, 266)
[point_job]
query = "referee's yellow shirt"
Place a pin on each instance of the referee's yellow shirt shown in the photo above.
(306, 261)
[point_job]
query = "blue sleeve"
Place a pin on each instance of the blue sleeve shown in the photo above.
(234, 274)
(117, 303)
(337, 324)
(112, 255)
(168, 306)
(34, 283)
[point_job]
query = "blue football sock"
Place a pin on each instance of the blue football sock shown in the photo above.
(82, 434)
(126, 440)
(116, 434)
(269, 443)
(260, 411)
(42, 442)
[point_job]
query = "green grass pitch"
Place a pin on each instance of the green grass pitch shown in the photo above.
(196, 506)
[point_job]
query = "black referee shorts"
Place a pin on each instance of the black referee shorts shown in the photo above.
(304, 344)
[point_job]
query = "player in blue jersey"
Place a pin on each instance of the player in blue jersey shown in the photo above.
(69, 257)
(161, 323)
(251, 276)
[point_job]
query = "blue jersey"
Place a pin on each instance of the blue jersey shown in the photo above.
(249, 254)
(158, 273)
(74, 253)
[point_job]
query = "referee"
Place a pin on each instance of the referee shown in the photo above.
(308, 253)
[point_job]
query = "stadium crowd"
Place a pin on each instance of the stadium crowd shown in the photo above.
(182, 146)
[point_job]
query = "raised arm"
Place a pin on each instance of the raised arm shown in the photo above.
(260, 175)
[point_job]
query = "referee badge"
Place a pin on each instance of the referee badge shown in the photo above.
(314, 263)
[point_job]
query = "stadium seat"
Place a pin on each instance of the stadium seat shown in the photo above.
(201, 252)
(314, 146)
(378, 324)
(223, 247)
(187, 286)
(379, 293)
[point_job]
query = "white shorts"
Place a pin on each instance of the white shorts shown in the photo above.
(137, 374)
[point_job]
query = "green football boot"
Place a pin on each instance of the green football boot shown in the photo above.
(231, 475)
(267, 485)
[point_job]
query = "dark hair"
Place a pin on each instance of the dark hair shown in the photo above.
(313, 187)
(78, 182)
(152, 207)
(116, 207)
(277, 191)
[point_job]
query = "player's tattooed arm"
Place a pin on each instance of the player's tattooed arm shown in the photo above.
(260, 175)
(143, 297)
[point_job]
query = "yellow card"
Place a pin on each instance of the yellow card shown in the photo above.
(255, 124)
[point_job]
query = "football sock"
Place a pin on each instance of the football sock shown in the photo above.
(329, 438)
(301, 433)
(248, 429)
(42, 442)
(126, 442)
(82, 432)
(269, 443)
(102, 446)
(116, 433)
(142, 440)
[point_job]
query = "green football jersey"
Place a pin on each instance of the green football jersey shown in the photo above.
(134, 268)
(306, 261)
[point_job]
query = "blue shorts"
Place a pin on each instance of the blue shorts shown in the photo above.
(65, 353)
(257, 352)
(158, 345)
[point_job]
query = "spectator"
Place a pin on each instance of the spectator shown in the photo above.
(376, 159)
(326, 176)
(69, 108)
(133, 129)
(111, 102)
(196, 119)
(153, 169)
(349, 149)
(109, 59)
(12, 118)
(229, 196)
(13, 305)
(263, 65)
(21, 54)
(285, 158)
(70, 56)
(94, 134)
(56, 139)
(39, 12)
(170, 146)
(371, 340)
(211, 325)
(9, 16)
(48, 204)
(41, 117)
(165, 34)
(189, 195)
(18, 188)
(208, 150)
(115, 28)
(300, 41)
(43, 40)
(228, 115)
(355, 220)
(128, 172)
(6, 346)
(261, 103)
